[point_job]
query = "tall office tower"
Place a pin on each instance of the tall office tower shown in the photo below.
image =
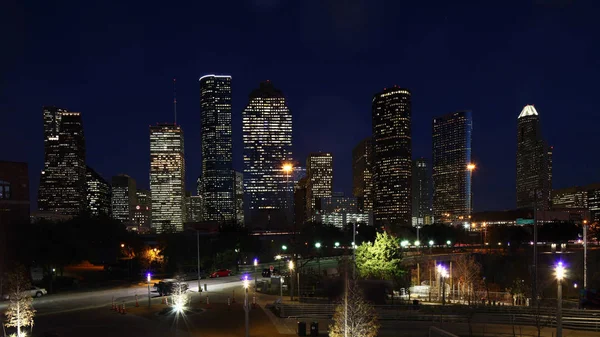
(362, 175)
(123, 198)
(534, 162)
(215, 106)
(319, 170)
(238, 189)
(62, 182)
(98, 194)
(300, 202)
(142, 213)
(392, 161)
(422, 211)
(267, 135)
(451, 159)
(167, 177)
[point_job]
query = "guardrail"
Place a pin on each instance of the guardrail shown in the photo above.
(572, 319)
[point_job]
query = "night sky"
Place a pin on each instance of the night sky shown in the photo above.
(114, 61)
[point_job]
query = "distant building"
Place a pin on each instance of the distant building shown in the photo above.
(534, 162)
(63, 180)
(300, 202)
(319, 171)
(195, 208)
(98, 193)
(14, 194)
(217, 147)
(452, 194)
(342, 220)
(519, 217)
(362, 174)
(392, 159)
(167, 177)
(338, 204)
(238, 192)
(422, 209)
(267, 136)
(298, 173)
(142, 212)
(582, 197)
(123, 198)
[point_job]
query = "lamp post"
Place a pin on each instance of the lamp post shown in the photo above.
(287, 168)
(559, 272)
(291, 269)
(148, 279)
(318, 246)
(443, 275)
(246, 307)
(470, 167)
(354, 250)
(585, 222)
(255, 275)
(198, 256)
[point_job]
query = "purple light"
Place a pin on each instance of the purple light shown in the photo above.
(246, 277)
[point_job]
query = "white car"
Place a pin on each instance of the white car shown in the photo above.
(33, 292)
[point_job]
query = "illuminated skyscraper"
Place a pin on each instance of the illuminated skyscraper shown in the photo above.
(362, 175)
(238, 189)
(534, 162)
(422, 211)
(167, 177)
(392, 164)
(97, 193)
(451, 159)
(123, 198)
(215, 106)
(267, 135)
(319, 170)
(63, 179)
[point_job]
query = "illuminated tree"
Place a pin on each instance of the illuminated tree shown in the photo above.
(180, 297)
(354, 316)
(381, 259)
(20, 312)
(468, 273)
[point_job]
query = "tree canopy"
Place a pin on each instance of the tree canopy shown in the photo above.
(381, 259)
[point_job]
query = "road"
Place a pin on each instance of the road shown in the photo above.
(73, 301)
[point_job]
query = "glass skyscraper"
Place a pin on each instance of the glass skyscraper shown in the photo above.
(267, 136)
(215, 106)
(422, 211)
(451, 175)
(97, 193)
(167, 177)
(319, 170)
(62, 187)
(392, 163)
(362, 175)
(123, 198)
(534, 162)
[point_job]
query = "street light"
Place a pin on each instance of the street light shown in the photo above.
(560, 273)
(443, 275)
(336, 244)
(291, 269)
(417, 243)
(431, 242)
(284, 247)
(148, 277)
(448, 242)
(246, 306)
(318, 245)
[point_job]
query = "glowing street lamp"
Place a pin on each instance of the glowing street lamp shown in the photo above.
(560, 272)
(443, 275)
(404, 243)
(148, 278)
(448, 242)
(246, 305)
(318, 245)
(284, 247)
(417, 243)
(336, 244)
(431, 243)
(291, 269)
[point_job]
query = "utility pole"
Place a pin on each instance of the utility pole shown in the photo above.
(585, 255)
(354, 251)
(198, 251)
(534, 292)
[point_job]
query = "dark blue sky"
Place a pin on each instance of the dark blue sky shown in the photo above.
(114, 61)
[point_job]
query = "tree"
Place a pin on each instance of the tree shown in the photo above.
(468, 272)
(381, 259)
(19, 313)
(355, 315)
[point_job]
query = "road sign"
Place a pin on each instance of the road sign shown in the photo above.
(271, 267)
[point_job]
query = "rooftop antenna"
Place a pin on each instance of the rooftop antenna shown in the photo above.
(175, 99)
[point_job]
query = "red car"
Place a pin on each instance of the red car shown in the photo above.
(221, 273)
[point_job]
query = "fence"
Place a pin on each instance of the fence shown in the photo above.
(508, 315)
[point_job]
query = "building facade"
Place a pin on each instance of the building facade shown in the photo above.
(342, 220)
(238, 192)
(392, 159)
(123, 198)
(98, 194)
(362, 174)
(319, 171)
(142, 212)
(167, 177)
(422, 209)
(580, 197)
(338, 204)
(451, 174)
(267, 137)
(14, 194)
(217, 147)
(63, 180)
(300, 202)
(534, 162)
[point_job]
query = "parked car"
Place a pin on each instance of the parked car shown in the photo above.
(221, 273)
(33, 292)
(170, 286)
